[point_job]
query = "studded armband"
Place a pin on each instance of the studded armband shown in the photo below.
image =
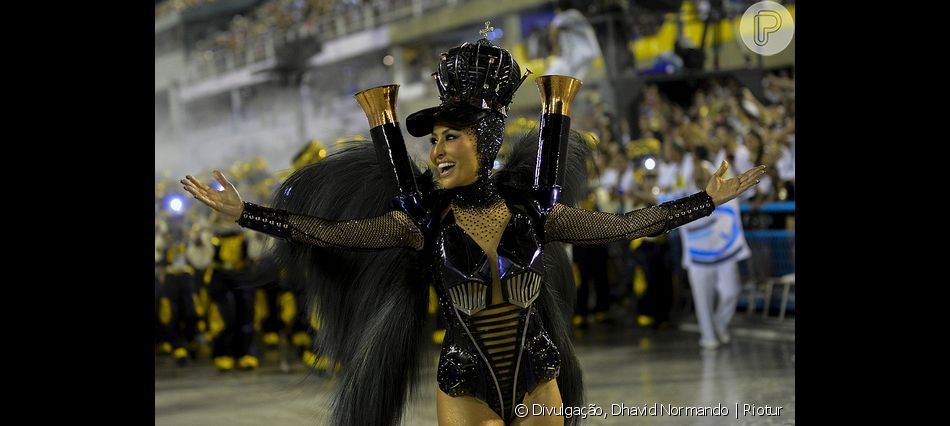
(687, 209)
(267, 220)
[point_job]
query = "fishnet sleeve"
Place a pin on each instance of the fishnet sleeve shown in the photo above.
(584, 227)
(393, 229)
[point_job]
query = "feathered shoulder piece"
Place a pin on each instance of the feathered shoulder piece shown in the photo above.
(518, 172)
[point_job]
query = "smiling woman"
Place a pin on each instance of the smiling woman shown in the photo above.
(454, 155)
(487, 242)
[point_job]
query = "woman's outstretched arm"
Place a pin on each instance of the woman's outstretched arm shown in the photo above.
(578, 226)
(393, 229)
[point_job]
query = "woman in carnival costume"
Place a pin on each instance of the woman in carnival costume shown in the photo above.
(369, 232)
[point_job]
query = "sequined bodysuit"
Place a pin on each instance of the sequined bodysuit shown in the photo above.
(488, 277)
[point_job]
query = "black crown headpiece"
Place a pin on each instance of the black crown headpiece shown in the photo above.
(473, 79)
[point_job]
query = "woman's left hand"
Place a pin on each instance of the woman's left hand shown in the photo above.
(722, 190)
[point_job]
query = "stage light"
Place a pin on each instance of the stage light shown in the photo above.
(649, 163)
(175, 204)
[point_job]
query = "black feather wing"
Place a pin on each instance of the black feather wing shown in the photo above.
(371, 304)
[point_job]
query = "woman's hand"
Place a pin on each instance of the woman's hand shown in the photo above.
(722, 190)
(228, 202)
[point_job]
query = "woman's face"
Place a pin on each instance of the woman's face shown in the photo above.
(454, 156)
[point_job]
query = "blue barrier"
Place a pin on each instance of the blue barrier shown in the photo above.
(773, 253)
(772, 256)
(773, 207)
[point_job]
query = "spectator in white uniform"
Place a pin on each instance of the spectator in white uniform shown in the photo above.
(712, 249)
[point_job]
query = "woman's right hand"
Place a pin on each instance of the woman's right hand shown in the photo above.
(228, 202)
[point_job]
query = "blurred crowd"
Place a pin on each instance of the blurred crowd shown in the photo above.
(724, 121)
(218, 293)
(276, 17)
(168, 7)
(246, 35)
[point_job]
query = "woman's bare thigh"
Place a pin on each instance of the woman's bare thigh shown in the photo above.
(464, 410)
(548, 395)
(467, 410)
